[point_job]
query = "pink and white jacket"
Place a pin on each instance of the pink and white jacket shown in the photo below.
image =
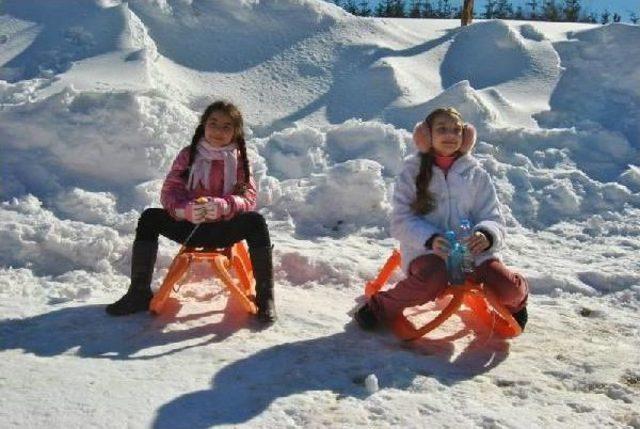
(175, 195)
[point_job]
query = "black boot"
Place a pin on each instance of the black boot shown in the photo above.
(137, 298)
(365, 318)
(521, 317)
(261, 259)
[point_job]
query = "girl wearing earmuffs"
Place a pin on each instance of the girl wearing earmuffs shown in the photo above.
(437, 188)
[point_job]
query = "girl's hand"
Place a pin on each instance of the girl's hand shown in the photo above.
(478, 243)
(195, 211)
(216, 208)
(441, 247)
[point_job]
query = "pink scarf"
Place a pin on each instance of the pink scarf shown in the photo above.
(201, 167)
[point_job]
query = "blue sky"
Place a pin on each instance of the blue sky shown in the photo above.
(623, 7)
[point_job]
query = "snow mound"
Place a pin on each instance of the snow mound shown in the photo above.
(205, 35)
(631, 178)
(99, 208)
(541, 177)
(44, 39)
(355, 139)
(349, 196)
(33, 237)
(486, 54)
(101, 141)
(295, 153)
(599, 87)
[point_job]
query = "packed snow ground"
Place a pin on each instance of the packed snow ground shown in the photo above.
(96, 98)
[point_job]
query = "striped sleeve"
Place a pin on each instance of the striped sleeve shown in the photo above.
(174, 194)
(244, 202)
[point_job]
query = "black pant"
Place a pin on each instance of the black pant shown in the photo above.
(249, 226)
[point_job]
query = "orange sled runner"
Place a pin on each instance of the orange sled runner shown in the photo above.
(242, 287)
(475, 296)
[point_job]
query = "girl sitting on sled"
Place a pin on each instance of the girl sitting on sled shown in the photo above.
(437, 188)
(210, 188)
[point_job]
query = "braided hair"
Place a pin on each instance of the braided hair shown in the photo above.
(425, 201)
(233, 112)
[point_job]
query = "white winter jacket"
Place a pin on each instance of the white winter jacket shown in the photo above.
(466, 192)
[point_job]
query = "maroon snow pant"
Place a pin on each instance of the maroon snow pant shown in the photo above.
(428, 278)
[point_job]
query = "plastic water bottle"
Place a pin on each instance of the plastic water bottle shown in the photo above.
(454, 260)
(467, 258)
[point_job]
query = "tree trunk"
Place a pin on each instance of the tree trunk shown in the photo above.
(467, 12)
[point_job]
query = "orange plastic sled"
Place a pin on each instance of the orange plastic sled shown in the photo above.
(220, 260)
(479, 299)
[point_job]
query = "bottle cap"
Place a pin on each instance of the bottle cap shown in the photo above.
(450, 235)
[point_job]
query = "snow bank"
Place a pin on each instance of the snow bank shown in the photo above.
(599, 87)
(331, 182)
(486, 54)
(101, 141)
(369, 140)
(349, 196)
(295, 153)
(205, 35)
(55, 38)
(35, 238)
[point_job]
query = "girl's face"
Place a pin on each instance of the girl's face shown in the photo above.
(219, 129)
(446, 135)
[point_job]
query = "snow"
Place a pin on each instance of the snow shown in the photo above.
(96, 99)
(371, 383)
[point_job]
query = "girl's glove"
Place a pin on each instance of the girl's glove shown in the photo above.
(216, 208)
(195, 211)
(422, 137)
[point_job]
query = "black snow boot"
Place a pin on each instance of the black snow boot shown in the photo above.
(365, 318)
(261, 259)
(521, 317)
(137, 298)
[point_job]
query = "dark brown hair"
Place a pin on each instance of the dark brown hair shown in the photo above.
(233, 112)
(425, 200)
